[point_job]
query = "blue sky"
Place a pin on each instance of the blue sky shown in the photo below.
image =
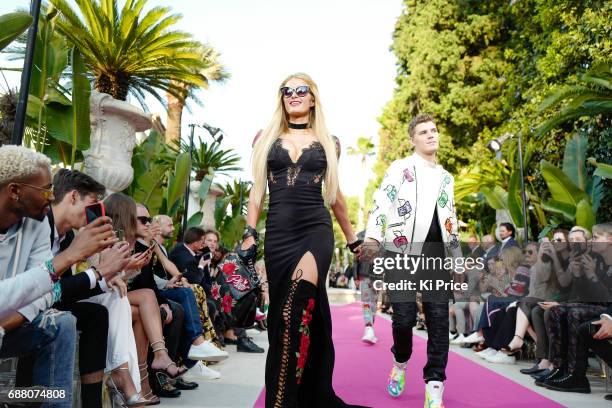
(342, 44)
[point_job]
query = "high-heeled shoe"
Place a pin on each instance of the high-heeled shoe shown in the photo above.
(165, 371)
(151, 398)
(118, 398)
(509, 351)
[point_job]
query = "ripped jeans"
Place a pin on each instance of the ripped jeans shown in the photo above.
(51, 338)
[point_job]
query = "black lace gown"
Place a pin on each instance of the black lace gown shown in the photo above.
(300, 359)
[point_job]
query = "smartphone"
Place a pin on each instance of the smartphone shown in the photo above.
(593, 328)
(94, 211)
(206, 254)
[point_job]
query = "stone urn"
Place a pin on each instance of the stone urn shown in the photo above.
(208, 209)
(114, 124)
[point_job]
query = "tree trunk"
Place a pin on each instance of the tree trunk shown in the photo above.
(175, 114)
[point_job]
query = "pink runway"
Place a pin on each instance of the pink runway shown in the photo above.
(361, 372)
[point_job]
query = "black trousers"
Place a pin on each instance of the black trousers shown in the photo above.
(603, 348)
(92, 323)
(172, 331)
(436, 316)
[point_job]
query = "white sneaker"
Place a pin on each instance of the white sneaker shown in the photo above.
(201, 371)
(369, 336)
(501, 358)
(458, 340)
(486, 352)
(207, 352)
(473, 338)
(452, 336)
(433, 394)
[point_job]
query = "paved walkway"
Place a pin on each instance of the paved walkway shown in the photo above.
(243, 375)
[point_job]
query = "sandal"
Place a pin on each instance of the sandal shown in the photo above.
(149, 396)
(510, 351)
(118, 398)
(179, 372)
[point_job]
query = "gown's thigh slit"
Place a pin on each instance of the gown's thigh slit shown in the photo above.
(297, 314)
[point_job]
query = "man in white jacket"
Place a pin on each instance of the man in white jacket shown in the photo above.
(413, 215)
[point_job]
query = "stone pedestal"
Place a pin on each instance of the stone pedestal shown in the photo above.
(114, 124)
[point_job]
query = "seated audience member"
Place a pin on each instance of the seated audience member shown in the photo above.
(26, 192)
(73, 191)
(199, 348)
(507, 283)
(167, 276)
(490, 248)
(145, 305)
(589, 299)
(507, 232)
(544, 288)
(234, 335)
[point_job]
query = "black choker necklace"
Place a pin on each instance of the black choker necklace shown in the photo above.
(298, 125)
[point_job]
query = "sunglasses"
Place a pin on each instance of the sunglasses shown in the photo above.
(47, 193)
(558, 240)
(144, 220)
(299, 91)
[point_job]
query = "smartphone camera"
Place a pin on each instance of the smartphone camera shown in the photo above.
(94, 211)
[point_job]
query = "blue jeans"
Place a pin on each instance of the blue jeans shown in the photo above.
(192, 326)
(51, 338)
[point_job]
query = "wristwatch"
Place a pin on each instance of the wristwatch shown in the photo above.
(250, 232)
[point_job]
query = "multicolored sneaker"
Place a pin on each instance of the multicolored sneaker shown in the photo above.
(433, 394)
(397, 380)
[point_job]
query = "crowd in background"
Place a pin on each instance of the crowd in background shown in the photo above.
(150, 321)
(553, 294)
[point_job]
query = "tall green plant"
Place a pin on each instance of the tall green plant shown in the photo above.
(130, 49)
(160, 176)
(592, 97)
(575, 196)
(11, 27)
(58, 100)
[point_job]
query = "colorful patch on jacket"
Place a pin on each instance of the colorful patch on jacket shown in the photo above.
(405, 209)
(381, 220)
(400, 241)
(448, 224)
(408, 175)
(391, 192)
(374, 208)
(453, 241)
(443, 199)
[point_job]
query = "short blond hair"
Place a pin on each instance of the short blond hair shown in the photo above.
(577, 228)
(604, 229)
(18, 162)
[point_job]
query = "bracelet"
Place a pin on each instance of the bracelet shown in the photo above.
(250, 232)
(354, 245)
(96, 272)
(51, 270)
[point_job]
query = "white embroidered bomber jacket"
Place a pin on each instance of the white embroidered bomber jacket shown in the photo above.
(396, 206)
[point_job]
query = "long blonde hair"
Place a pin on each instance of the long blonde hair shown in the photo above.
(279, 125)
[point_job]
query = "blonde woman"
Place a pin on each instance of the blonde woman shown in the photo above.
(295, 157)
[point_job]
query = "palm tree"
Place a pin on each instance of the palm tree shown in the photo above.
(131, 51)
(209, 159)
(212, 70)
(591, 98)
(364, 148)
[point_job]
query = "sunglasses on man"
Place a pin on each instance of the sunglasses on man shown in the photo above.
(144, 220)
(47, 193)
(300, 91)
